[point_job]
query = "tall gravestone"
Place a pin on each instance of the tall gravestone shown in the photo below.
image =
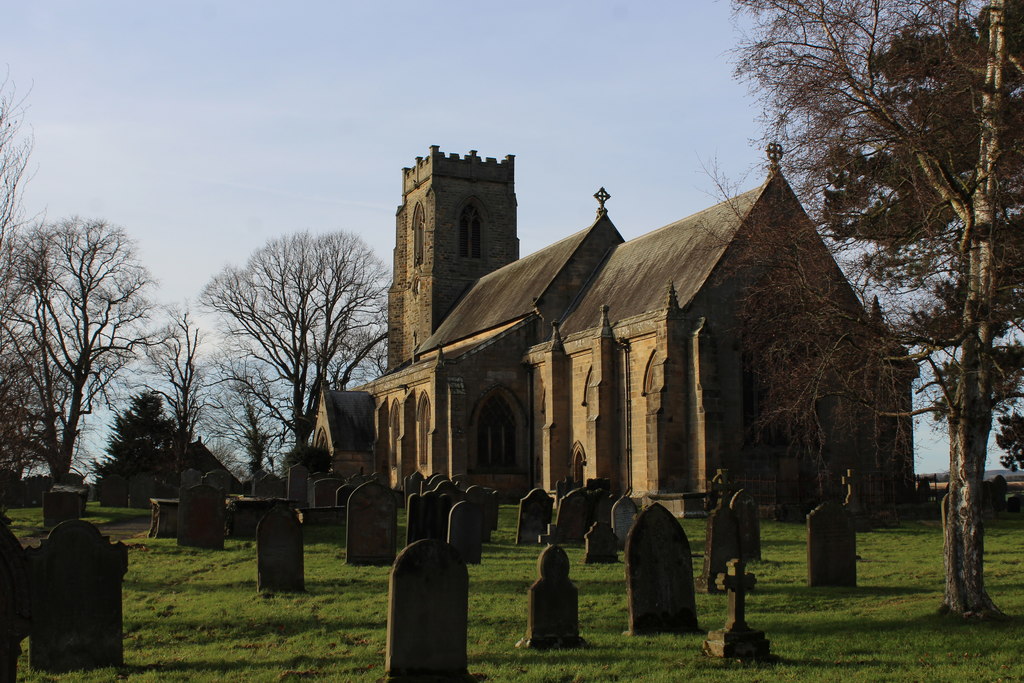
(999, 489)
(831, 547)
(343, 493)
(450, 489)
(270, 486)
(601, 545)
(372, 526)
(201, 517)
(412, 484)
(60, 506)
(744, 509)
(280, 563)
(76, 577)
(623, 513)
(721, 544)
(534, 516)
(219, 479)
(141, 488)
(491, 509)
(573, 516)
(465, 522)
(601, 505)
(191, 477)
(298, 483)
(325, 492)
(552, 621)
(114, 491)
(15, 603)
(428, 603)
(479, 496)
(659, 575)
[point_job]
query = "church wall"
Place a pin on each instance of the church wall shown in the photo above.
(580, 364)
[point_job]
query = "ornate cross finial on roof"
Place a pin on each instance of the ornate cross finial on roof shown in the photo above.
(774, 151)
(601, 196)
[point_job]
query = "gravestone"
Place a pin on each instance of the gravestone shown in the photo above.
(999, 489)
(851, 485)
(737, 640)
(744, 508)
(325, 492)
(341, 496)
(190, 477)
(412, 483)
(75, 577)
(721, 544)
(465, 522)
(219, 479)
(831, 547)
(433, 480)
(462, 481)
(552, 621)
(573, 515)
(599, 484)
(35, 487)
(298, 484)
(372, 525)
(15, 603)
(480, 497)
(114, 491)
(163, 520)
(270, 486)
(71, 479)
(427, 517)
(602, 546)
(1013, 504)
(59, 506)
(428, 596)
(601, 504)
(449, 488)
(141, 488)
(534, 516)
(564, 485)
(623, 514)
(243, 515)
(279, 552)
(659, 575)
(201, 517)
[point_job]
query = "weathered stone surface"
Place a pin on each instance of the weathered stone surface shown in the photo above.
(602, 546)
(427, 612)
(190, 477)
(573, 516)
(465, 524)
(831, 547)
(15, 603)
(744, 508)
(279, 552)
(659, 575)
(737, 640)
(450, 489)
(721, 544)
(271, 486)
(243, 515)
(601, 502)
(480, 496)
(534, 516)
(372, 525)
(219, 479)
(113, 491)
(1013, 504)
(71, 479)
(427, 517)
(60, 506)
(76, 579)
(201, 517)
(553, 618)
(343, 493)
(412, 484)
(325, 492)
(163, 522)
(623, 514)
(298, 484)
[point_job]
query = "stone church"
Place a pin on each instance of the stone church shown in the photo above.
(593, 357)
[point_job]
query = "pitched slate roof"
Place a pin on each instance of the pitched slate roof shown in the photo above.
(350, 416)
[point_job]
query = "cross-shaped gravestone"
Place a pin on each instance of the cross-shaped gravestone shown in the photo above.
(737, 640)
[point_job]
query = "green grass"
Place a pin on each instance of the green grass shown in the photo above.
(195, 615)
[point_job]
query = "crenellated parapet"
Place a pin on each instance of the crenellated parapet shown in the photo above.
(469, 167)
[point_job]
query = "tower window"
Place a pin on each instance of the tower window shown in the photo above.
(496, 434)
(418, 226)
(469, 232)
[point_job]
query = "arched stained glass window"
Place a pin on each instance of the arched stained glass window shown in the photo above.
(469, 232)
(496, 434)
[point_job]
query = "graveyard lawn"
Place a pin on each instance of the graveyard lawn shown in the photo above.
(193, 614)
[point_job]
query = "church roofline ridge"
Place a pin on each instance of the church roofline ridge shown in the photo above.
(470, 166)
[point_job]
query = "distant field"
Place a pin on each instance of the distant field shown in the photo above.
(195, 615)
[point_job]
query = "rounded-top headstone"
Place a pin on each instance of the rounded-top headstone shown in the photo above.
(280, 562)
(372, 525)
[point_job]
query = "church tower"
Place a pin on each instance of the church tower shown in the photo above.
(457, 222)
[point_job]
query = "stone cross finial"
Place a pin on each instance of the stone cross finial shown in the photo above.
(774, 152)
(601, 196)
(737, 582)
(606, 325)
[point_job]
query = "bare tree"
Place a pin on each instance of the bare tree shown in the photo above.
(14, 153)
(76, 323)
(903, 123)
(304, 310)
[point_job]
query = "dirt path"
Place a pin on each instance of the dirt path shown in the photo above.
(135, 527)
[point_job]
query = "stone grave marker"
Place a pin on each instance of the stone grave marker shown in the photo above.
(448, 488)
(372, 525)
(71, 479)
(298, 484)
(602, 546)
(279, 552)
(852, 501)
(35, 487)
(552, 621)
(59, 506)
(75, 577)
(271, 486)
(428, 594)
(462, 481)
(479, 496)
(534, 516)
(163, 518)
(15, 603)
(219, 479)
(999, 489)
(1013, 504)
(201, 517)
(831, 547)
(341, 496)
(744, 508)
(412, 484)
(623, 514)
(491, 509)
(433, 480)
(721, 544)
(659, 575)
(737, 640)
(325, 492)
(564, 485)
(141, 488)
(243, 515)
(573, 515)
(190, 477)
(601, 503)
(427, 517)
(114, 491)
(465, 524)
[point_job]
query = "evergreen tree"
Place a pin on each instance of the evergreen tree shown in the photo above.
(141, 440)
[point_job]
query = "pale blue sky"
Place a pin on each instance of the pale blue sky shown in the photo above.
(205, 128)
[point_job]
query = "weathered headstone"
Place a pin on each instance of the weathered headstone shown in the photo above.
(433, 480)
(412, 483)
(298, 483)
(191, 477)
(243, 515)
(465, 522)
(71, 479)
(744, 508)
(534, 516)
(623, 514)
(450, 489)
(601, 503)
(141, 488)
(428, 595)
(573, 515)
(564, 485)
(270, 486)
(114, 491)
(279, 552)
(76, 579)
(15, 603)
(325, 492)
(219, 479)
(201, 517)
(60, 506)
(602, 546)
(480, 497)
(372, 525)
(427, 517)
(721, 544)
(343, 493)
(737, 640)
(999, 489)
(553, 618)
(1013, 504)
(35, 487)
(831, 547)
(659, 575)
(163, 521)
